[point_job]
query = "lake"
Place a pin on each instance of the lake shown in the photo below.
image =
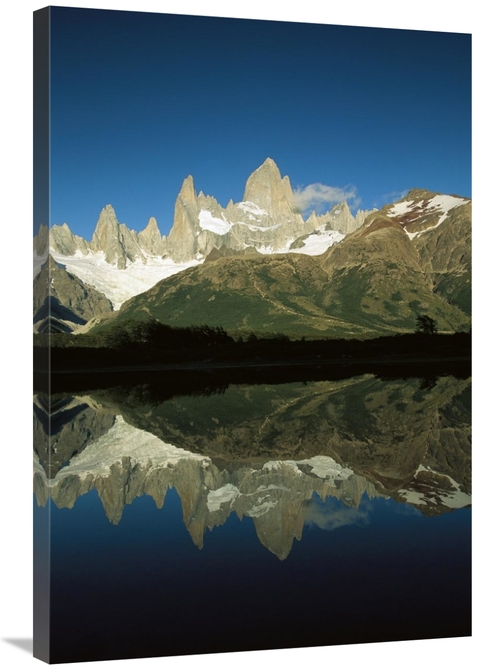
(254, 516)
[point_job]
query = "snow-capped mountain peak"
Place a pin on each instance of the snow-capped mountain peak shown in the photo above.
(421, 211)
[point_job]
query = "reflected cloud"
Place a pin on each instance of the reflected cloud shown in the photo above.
(329, 516)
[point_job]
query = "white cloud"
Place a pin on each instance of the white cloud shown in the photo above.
(319, 197)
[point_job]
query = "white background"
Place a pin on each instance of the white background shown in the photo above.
(15, 372)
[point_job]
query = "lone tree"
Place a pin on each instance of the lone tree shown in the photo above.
(426, 325)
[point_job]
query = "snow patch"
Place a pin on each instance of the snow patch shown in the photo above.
(412, 235)
(445, 203)
(254, 228)
(413, 497)
(454, 499)
(120, 285)
(215, 225)
(439, 203)
(263, 508)
(271, 487)
(123, 441)
(278, 465)
(318, 242)
(326, 468)
(227, 493)
(315, 244)
(401, 208)
(251, 208)
(268, 249)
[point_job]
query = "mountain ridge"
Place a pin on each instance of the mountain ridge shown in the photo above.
(378, 279)
(267, 217)
(331, 273)
(62, 302)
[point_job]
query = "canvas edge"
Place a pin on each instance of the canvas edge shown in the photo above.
(41, 369)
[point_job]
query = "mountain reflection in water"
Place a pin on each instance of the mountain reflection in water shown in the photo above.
(267, 452)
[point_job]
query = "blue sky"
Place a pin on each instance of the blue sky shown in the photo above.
(139, 101)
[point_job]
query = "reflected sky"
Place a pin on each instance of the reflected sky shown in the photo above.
(371, 573)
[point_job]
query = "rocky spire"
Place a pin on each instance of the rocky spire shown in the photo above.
(106, 237)
(181, 243)
(62, 241)
(266, 188)
(187, 193)
(150, 239)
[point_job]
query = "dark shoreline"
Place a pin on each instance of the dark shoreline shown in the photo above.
(208, 376)
(255, 361)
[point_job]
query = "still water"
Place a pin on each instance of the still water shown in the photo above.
(255, 516)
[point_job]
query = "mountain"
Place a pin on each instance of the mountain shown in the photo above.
(122, 263)
(127, 462)
(114, 240)
(63, 427)
(62, 302)
(409, 259)
(63, 242)
(272, 271)
(339, 218)
(267, 219)
(383, 429)
(445, 252)
(388, 271)
(260, 293)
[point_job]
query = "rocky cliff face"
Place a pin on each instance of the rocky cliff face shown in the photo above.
(62, 302)
(266, 189)
(267, 219)
(41, 242)
(181, 243)
(150, 239)
(64, 242)
(119, 245)
(340, 218)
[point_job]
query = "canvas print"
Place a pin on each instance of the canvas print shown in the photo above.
(252, 330)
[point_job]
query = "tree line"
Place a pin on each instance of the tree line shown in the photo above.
(149, 342)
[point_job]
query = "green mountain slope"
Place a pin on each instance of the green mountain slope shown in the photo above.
(377, 280)
(273, 294)
(409, 259)
(445, 253)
